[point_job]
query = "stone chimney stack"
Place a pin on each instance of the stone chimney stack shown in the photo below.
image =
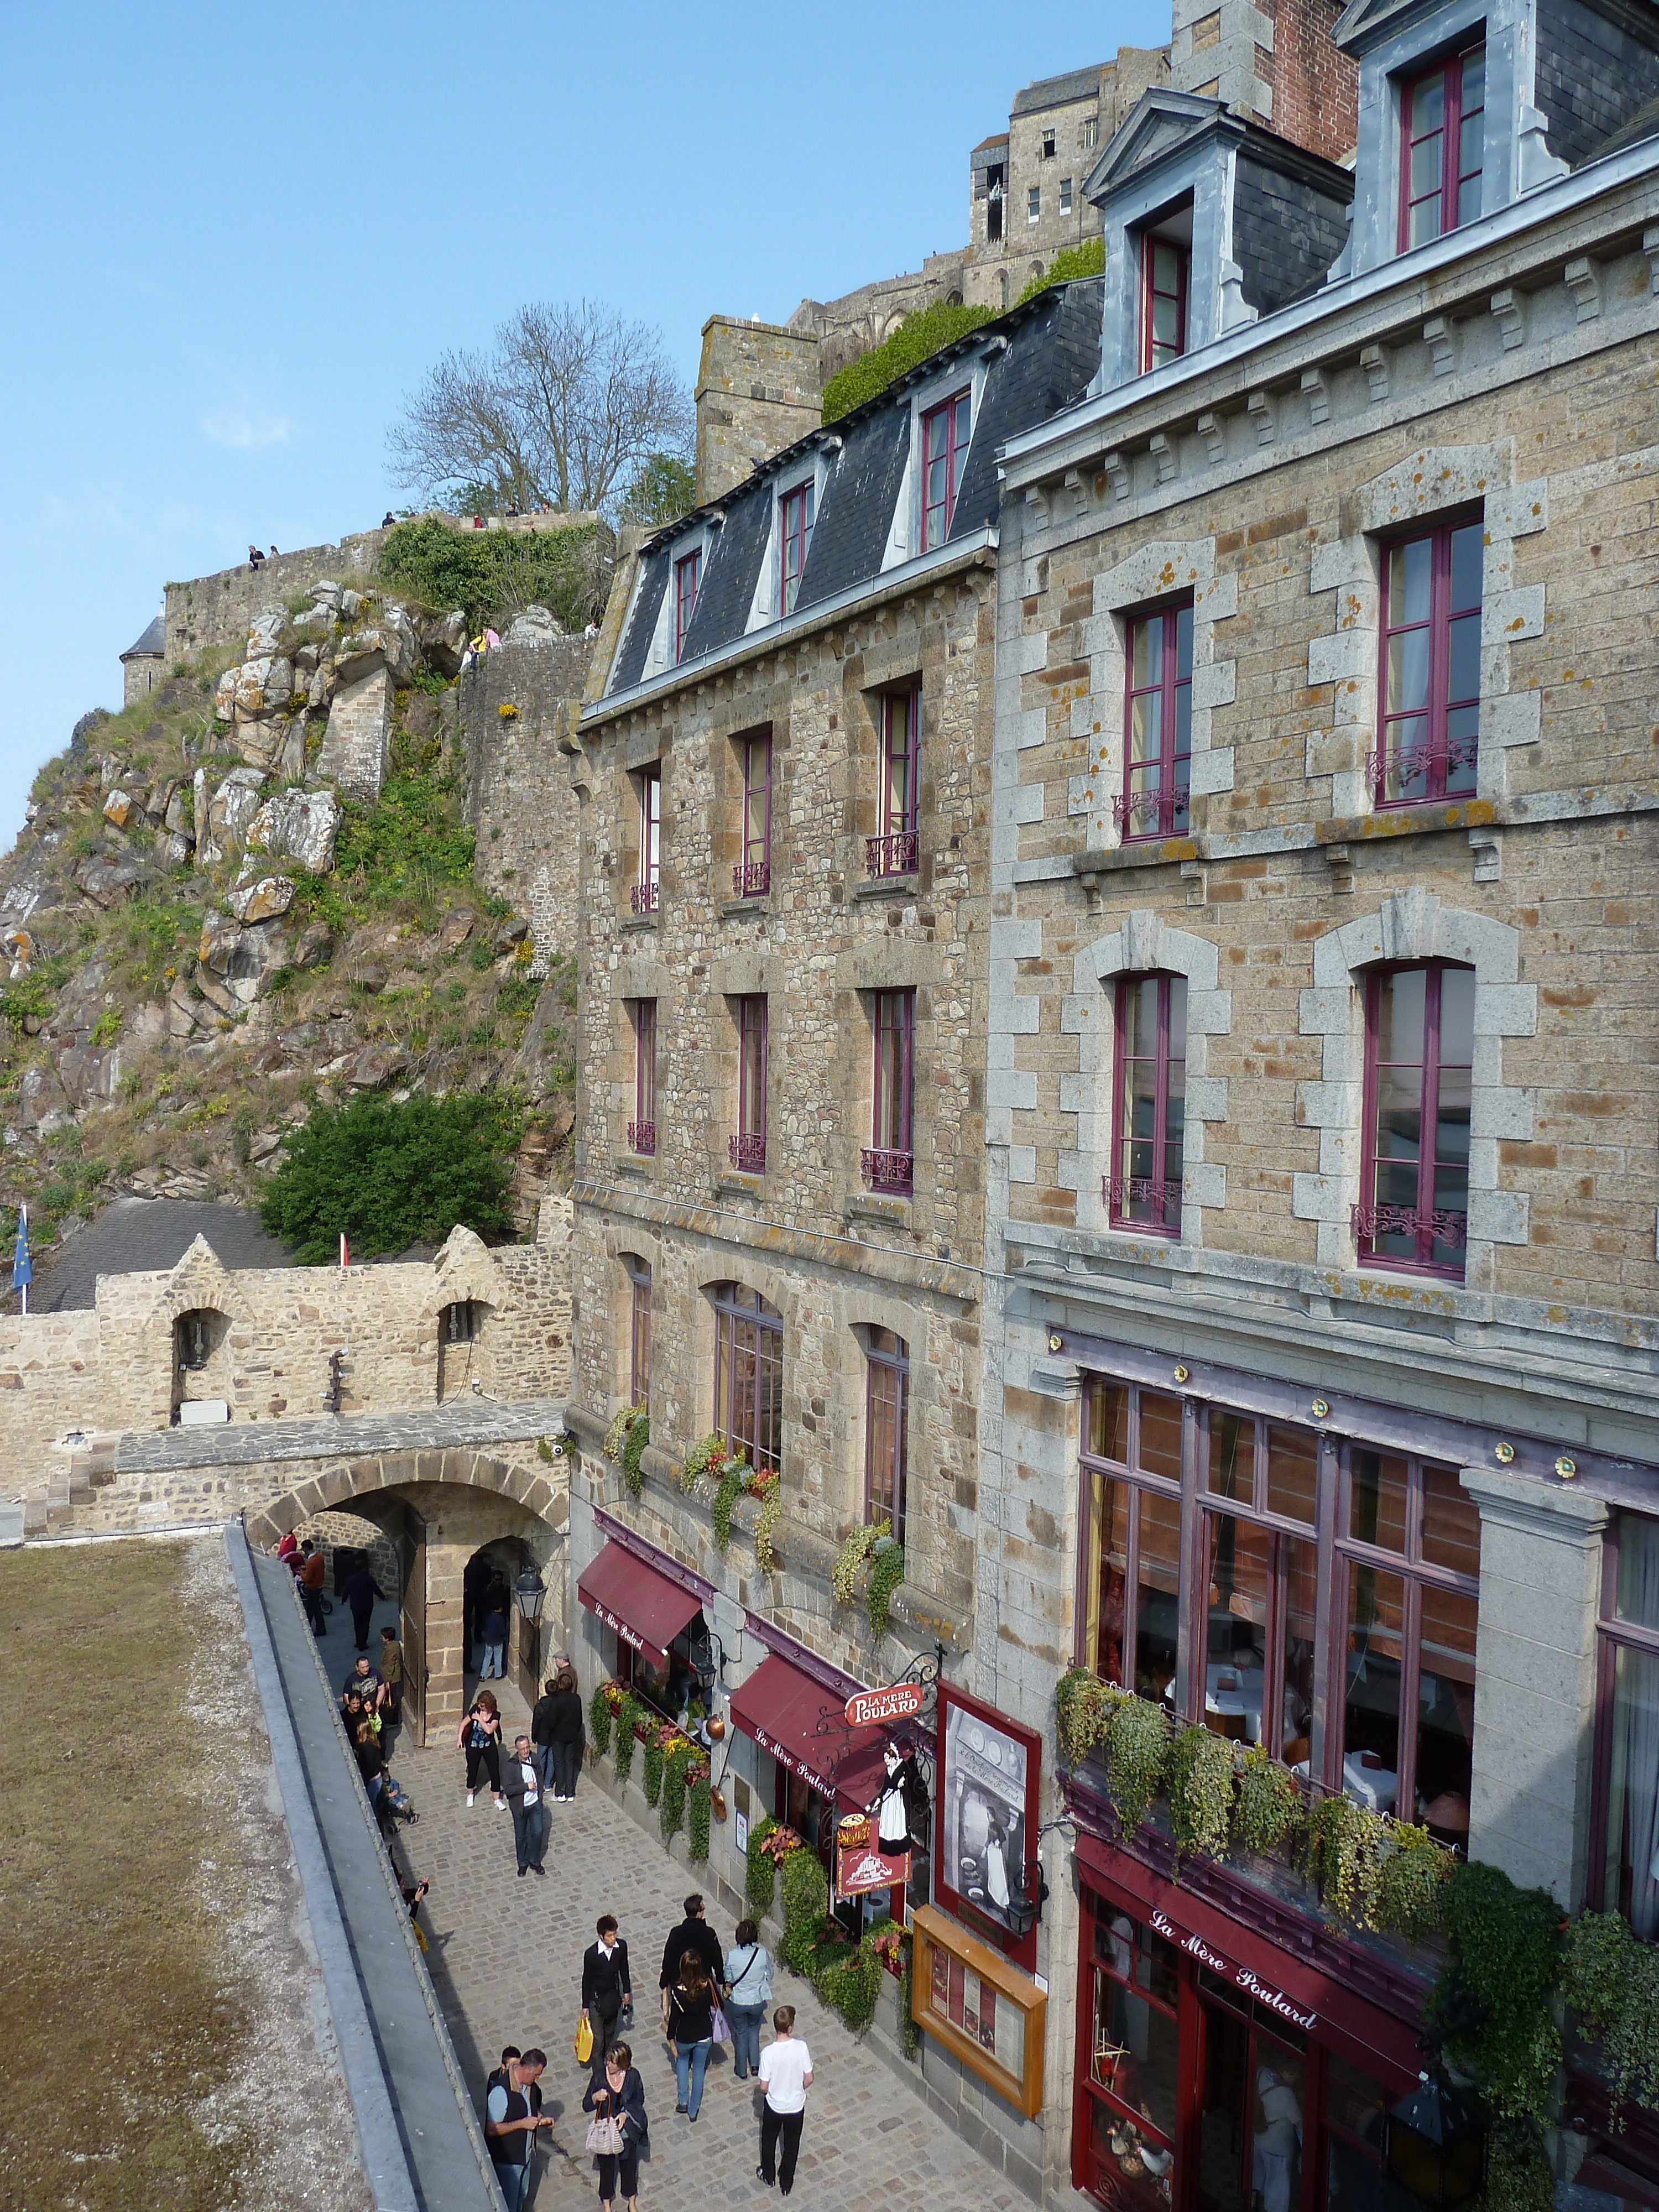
(757, 392)
(1272, 62)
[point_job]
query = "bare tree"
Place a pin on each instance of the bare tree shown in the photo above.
(568, 401)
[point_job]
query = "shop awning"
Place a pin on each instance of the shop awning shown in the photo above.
(799, 1722)
(647, 1609)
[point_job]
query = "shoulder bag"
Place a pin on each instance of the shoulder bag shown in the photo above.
(604, 2137)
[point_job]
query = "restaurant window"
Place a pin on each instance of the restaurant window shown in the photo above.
(747, 1148)
(1131, 1601)
(1414, 1168)
(642, 1129)
(1134, 2071)
(646, 891)
(1625, 1849)
(1408, 1548)
(752, 876)
(1442, 130)
(1259, 1574)
(1164, 265)
(887, 1407)
(1157, 725)
(1142, 1190)
(639, 1330)
(944, 456)
(1428, 713)
(893, 850)
(749, 1376)
(688, 574)
(794, 537)
(888, 1161)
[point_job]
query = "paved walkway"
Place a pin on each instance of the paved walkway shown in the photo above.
(505, 1959)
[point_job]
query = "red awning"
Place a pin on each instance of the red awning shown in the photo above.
(645, 1609)
(799, 1722)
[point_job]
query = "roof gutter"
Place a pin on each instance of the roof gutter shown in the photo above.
(976, 551)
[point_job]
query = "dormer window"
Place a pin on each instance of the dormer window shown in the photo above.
(687, 575)
(945, 435)
(1442, 130)
(1165, 267)
(794, 536)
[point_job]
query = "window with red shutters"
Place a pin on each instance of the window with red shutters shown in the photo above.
(1442, 139)
(944, 455)
(1149, 1105)
(1429, 711)
(1414, 1172)
(1157, 725)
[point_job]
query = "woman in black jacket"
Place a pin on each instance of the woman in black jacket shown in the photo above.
(689, 2016)
(558, 1729)
(616, 2093)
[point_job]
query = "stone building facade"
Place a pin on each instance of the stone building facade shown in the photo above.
(144, 662)
(758, 389)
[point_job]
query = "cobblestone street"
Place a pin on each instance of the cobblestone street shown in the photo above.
(505, 1959)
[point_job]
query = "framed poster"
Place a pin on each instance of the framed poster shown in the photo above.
(979, 2007)
(985, 1820)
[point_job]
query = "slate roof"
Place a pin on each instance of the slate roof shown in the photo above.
(140, 1235)
(1055, 91)
(154, 639)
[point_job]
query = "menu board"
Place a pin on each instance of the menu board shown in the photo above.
(978, 2006)
(969, 2002)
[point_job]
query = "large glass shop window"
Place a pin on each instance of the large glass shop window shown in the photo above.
(1135, 2070)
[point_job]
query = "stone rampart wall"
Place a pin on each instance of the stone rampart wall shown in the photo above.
(215, 610)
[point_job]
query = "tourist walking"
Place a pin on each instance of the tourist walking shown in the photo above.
(748, 1978)
(521, 1785)
(475, 1580)
(693, 1934)
(480, 1737)
(370, 1761)
(494, 1638)
(786, 2072)
(362, 1594)
(311, 1588)
(688, 2014)
(559, 1731)
(607, 1985)
(391, 1673)
(616, 2093)
(366, 1682)
(511, 2120)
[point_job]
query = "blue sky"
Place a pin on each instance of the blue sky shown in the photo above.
(231, 240)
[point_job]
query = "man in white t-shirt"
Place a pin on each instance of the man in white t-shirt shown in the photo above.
(786, 2074)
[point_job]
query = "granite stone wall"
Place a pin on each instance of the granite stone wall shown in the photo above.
(216, 610)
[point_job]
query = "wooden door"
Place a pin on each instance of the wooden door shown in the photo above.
(412, 1632)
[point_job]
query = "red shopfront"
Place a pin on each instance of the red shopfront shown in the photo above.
(1215, 2071)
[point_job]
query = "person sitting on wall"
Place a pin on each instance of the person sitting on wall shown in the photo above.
(255, 557)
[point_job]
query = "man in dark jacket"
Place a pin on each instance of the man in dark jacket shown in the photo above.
(693, 1934)
(361, 1591)
(607, 1984)
(558, 1728)
(521, 1787)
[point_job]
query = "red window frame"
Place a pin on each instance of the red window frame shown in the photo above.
(893, 850)
(1445, 175)
(946, 431)
(747, 1149)
(1427, 752)
(888, 1161)
(752, 876)
(749, 1376)
(648, 885)
(639, 1330)
(642, 1129)
(1111, 1599)
(794, 537)
(1278, 1523)
(1439, 1232)
(1156, 798)
(1613, 1637)
(886, 1419)
(1148, 1203)
(1154, 351)
(688, 576)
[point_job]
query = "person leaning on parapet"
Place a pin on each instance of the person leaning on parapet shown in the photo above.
(256, 559)
(510, 2125)
(311, 1587)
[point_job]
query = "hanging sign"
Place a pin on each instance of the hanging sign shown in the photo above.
(861, 1864)
(876, 1708)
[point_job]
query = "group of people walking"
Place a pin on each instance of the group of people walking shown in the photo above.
(540, 1769)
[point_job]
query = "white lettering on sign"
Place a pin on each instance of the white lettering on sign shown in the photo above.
(1241, 1977)
(875, 1708)
(628, 1635)
(788, 1759)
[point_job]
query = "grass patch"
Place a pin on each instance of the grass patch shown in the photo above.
(123, 2009)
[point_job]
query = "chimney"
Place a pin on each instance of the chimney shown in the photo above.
(757, 392)
(1273, 63)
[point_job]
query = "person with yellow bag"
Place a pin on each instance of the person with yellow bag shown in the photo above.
(607, 1987)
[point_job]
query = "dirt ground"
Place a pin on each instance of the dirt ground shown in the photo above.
(165, 2041)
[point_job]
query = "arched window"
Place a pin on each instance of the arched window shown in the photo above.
(748, 1375)
(459, 1324)
(887, 1412)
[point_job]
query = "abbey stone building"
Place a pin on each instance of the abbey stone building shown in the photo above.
(1119, 966)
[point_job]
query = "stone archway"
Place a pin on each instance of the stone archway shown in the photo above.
(438, 1507)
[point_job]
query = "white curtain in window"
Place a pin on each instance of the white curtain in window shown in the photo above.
(1636, 1727)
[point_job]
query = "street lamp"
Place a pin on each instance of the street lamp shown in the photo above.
(1437, 2143)
(530, 1596)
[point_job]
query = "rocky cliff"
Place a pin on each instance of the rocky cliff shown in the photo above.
(254, 890)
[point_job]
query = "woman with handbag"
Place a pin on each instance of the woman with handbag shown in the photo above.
(615, 2097)
(480, 1737)
(748, 1993)
(689, 2009)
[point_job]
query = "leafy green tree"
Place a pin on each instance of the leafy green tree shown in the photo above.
(390, 1175)
(663, 489)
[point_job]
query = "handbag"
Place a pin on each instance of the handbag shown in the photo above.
(584, 2043)
(720, 2031)
(604, 2138)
